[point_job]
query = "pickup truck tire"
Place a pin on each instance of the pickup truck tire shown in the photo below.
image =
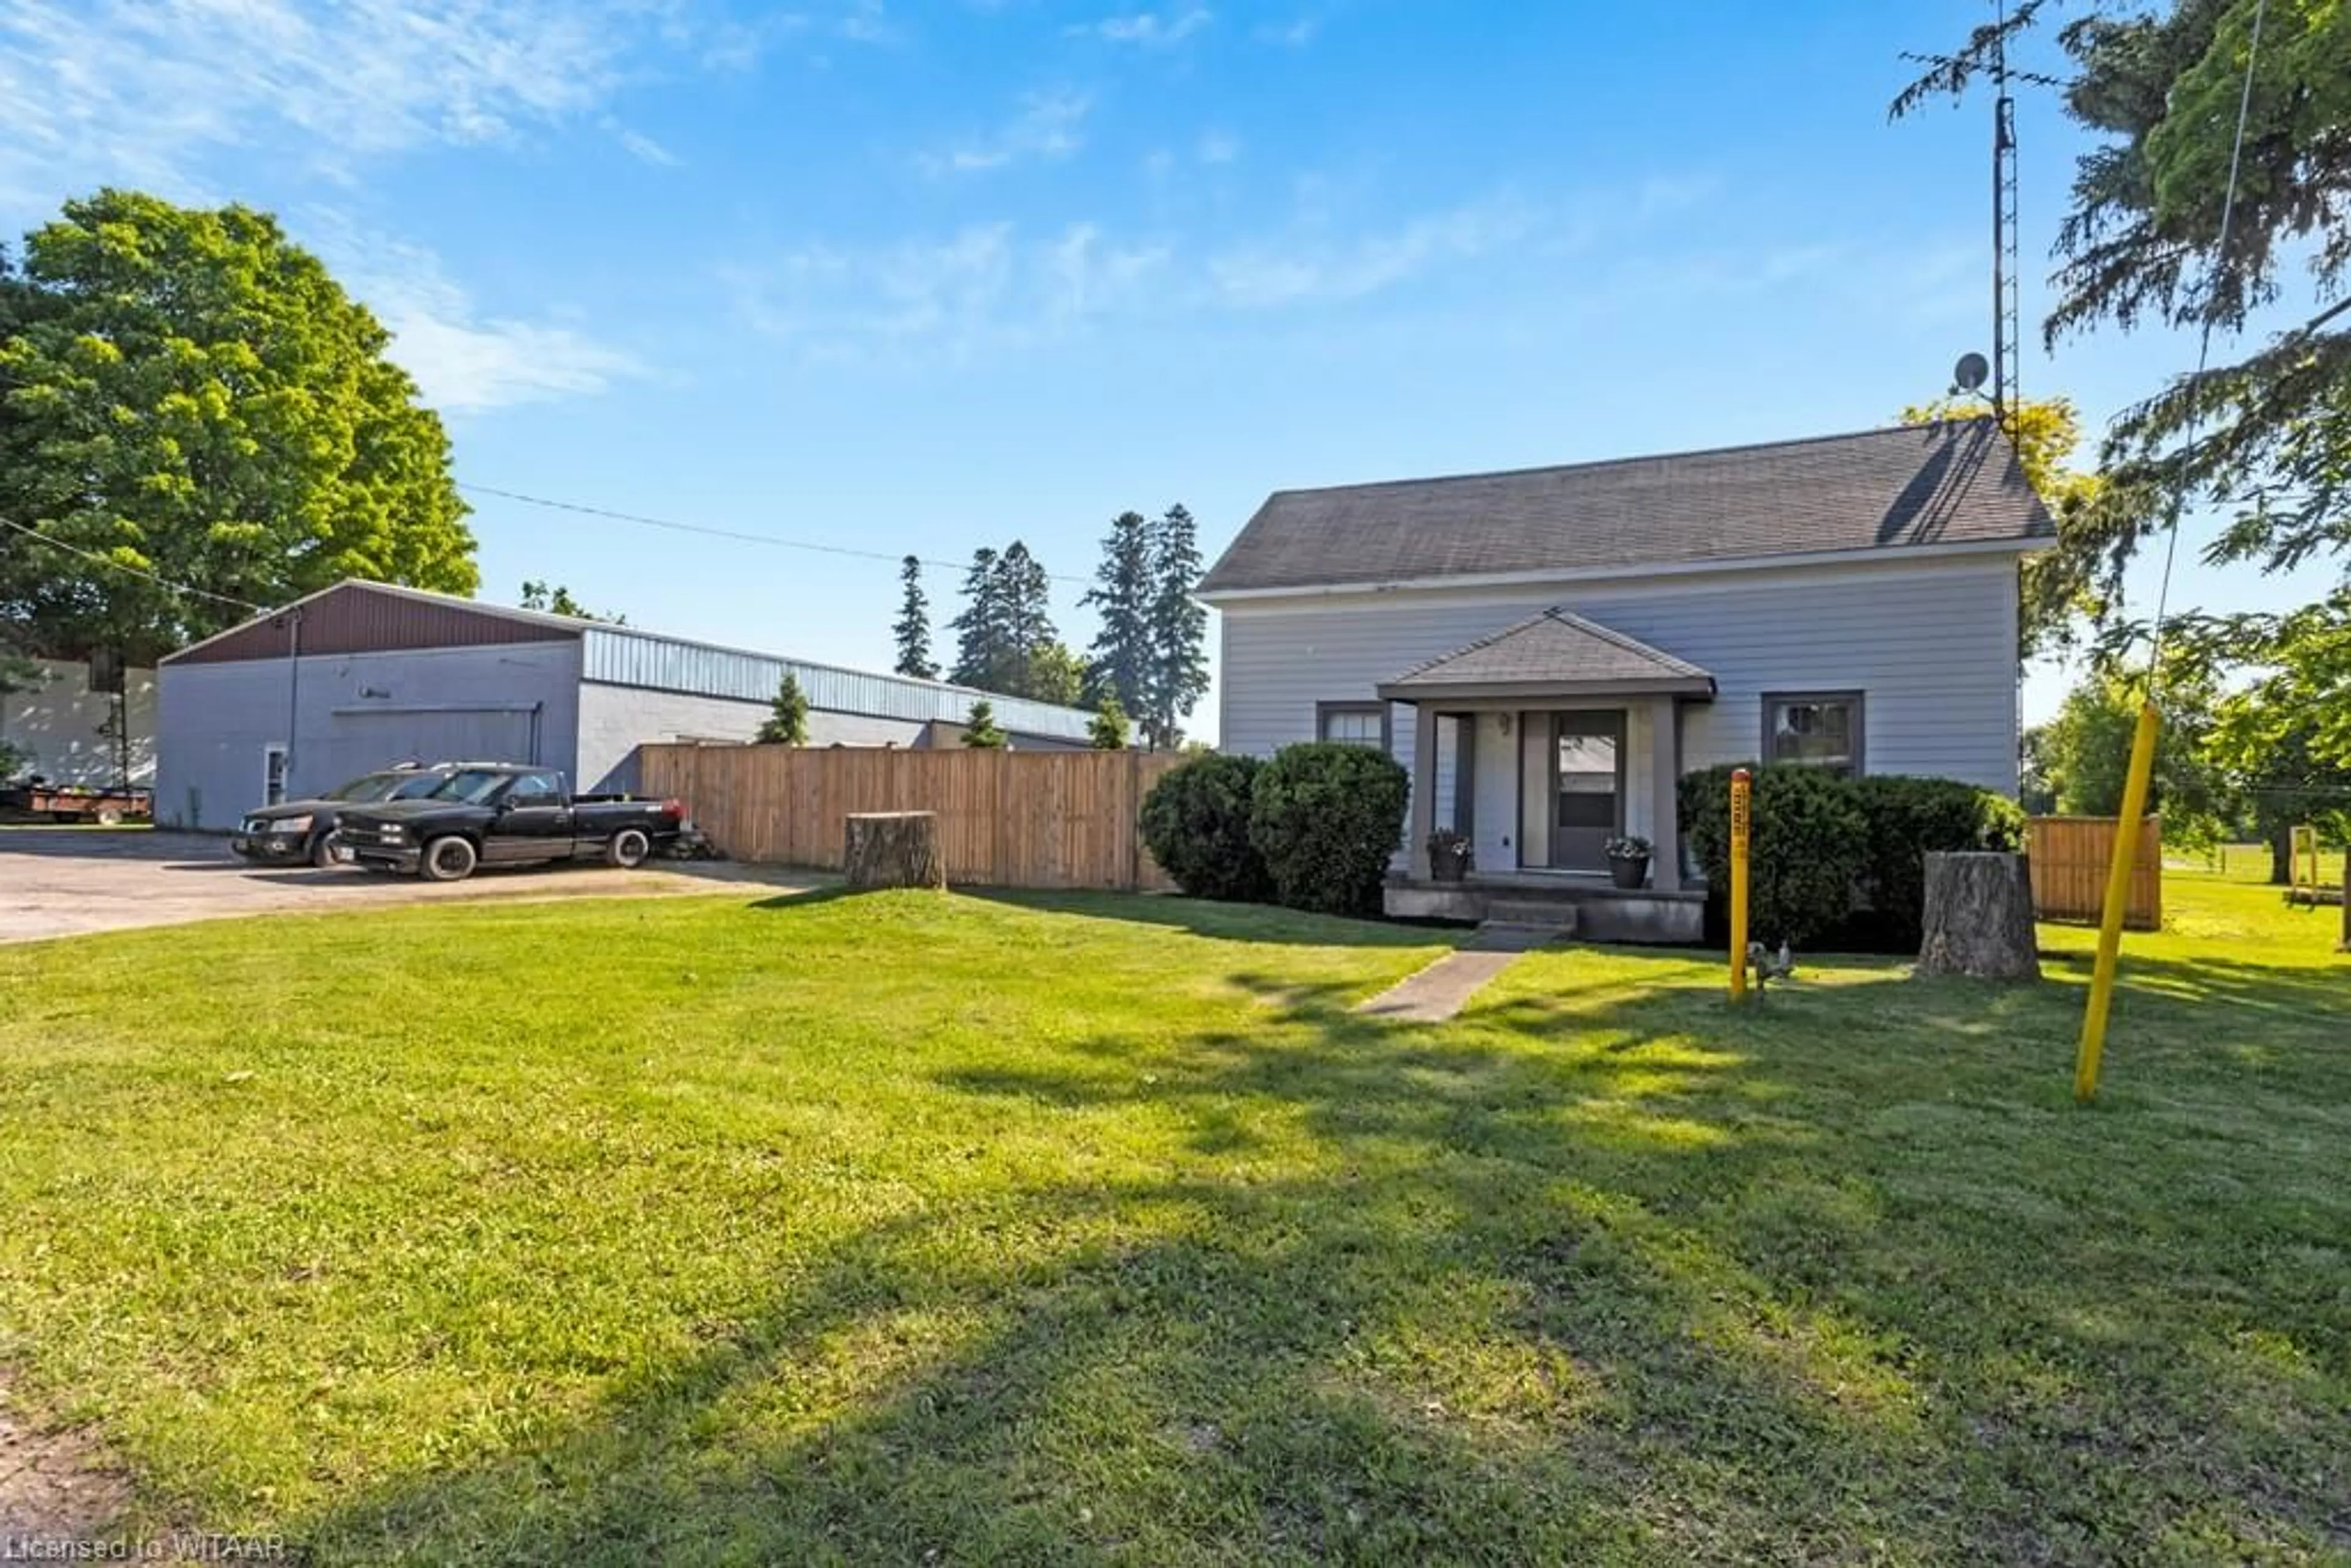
(322, 852)
(629, 848)
(449, 859)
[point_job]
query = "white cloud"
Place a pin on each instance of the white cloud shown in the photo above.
(142, 90)
(462, 360)
(983, 286)
(1218, 146)
(1318, 271)
(1048, 127)
(1294, 34)
(1147, 29)
(640, 146)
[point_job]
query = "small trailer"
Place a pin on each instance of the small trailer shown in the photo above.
(106, 806)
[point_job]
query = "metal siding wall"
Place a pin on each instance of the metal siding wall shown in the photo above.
(616, 721)
(214, 720)
(619, 656)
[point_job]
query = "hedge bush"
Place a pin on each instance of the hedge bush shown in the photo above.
(1810, 843)
(1910, 818)
(1195, 822)
(1326, 818)
(1824, 845)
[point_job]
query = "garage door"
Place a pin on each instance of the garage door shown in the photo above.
(365, 739)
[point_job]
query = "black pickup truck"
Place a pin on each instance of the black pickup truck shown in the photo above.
(507, 815)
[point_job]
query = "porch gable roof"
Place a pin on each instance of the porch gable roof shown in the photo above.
(1557, 652)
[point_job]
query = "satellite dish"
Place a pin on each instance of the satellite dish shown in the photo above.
(1970, 373)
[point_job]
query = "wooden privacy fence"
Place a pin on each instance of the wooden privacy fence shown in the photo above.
(2070, 859)
(1007, 818)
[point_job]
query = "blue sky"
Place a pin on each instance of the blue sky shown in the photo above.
(901, 277)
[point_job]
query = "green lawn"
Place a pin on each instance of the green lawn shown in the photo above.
(907, 1228)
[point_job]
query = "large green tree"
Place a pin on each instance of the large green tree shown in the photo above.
(187, 395)
(2082, 756)
(2281, 732)
(1179, 631)
(1120, 667)
(982, 637)
(1004, 636)
(2263, 435)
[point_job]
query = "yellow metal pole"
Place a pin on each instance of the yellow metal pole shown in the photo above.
(2110, 928)
(1741, 787)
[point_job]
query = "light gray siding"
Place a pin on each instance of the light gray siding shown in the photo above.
(1932, 645)
(614, 721)
(62, 727)
(352, 713)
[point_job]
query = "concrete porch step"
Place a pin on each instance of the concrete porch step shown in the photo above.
(1555, 915)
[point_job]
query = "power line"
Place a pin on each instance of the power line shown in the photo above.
(109, 562)
(740, 536)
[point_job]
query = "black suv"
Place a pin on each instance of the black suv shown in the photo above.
(300, 832)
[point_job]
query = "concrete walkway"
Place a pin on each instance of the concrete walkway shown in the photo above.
(1444, 987)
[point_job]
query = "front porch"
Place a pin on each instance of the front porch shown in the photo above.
(1586, 907)
(1540, 746)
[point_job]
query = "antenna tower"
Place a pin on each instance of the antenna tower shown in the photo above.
(2004, 267)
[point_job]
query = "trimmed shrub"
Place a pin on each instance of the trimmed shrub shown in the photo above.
(1195, 822)
(1811, 842)
(1910, 817)
(1326, 818)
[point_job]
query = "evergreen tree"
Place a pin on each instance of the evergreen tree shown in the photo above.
(980, 644)
(912, 628)
(1179, 631)
(1027, 597)
(1121, 666)
(980, 731)
(1108, 731)
(786, 721)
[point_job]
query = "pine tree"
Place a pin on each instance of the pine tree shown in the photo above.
(1029, 633)
(980, 731)
(912, 628)
(787, 720)
(979, 626)
(1108, 730)
(1179, 631)
(1121, 666)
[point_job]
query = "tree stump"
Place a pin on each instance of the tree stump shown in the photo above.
(893, 849)
(1979, 918)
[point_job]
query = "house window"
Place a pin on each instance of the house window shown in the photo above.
(1819, 729)
(272, 775)
(1353, 724)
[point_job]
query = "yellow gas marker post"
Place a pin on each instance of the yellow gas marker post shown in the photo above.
(2110, 927)
(1741, 787)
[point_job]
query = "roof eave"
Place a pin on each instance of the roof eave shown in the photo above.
(1418, 692)
(1886, 554)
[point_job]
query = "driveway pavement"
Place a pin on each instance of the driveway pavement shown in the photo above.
(65, 881)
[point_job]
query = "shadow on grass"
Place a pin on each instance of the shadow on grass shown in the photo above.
(1225, 921)
(1609, 1272)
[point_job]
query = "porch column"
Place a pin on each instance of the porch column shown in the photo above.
(1423, 788)
(1664, 780)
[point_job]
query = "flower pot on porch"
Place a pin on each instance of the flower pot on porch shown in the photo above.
(1629, 872)
(1448, 864)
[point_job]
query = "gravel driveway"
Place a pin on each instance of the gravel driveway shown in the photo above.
(65, 882)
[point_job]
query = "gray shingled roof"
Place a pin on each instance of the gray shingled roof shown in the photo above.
(1554, 649)
(1952, 483)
